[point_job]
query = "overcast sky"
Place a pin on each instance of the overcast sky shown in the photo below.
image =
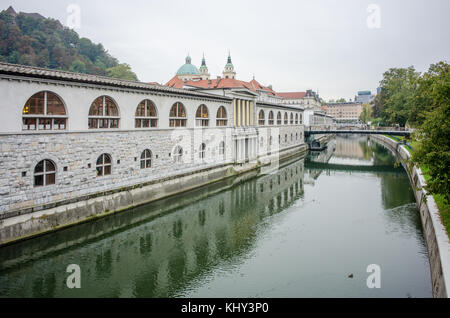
(324, 45)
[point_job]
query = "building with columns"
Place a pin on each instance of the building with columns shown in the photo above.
(77, 145)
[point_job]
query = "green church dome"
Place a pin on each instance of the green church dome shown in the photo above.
(188, 68)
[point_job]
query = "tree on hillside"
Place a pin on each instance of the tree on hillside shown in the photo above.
(122, 71)
(37, 41)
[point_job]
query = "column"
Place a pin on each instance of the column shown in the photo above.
(244, 113)
(248, 113)
(251, 114)
(234, 112)
(238, 123)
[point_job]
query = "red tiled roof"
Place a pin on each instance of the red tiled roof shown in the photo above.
(253, 85)
(220, 83)
(175, 82)
(292, 95)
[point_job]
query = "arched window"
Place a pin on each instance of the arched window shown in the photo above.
(292, 137)
(103, 114)
(146, 159)
(44, 111)
(291, 121)
(177, 154)
(285, 118)
(271, 118)
(177, 116)
(279, 118)
(104, 164)
(44, 173)
(221, 118)
(296, 119)
(222, 149)
(201, 116)
(261, 141)
(301, 119)
(296, 136)
(285, 138)
(261, 119)
(146, 115)
(202, 151)
(270, 141)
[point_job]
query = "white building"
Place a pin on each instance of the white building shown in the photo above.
(68, 138)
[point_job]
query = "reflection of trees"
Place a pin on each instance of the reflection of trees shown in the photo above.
(366, 150)
(382, 156)
(393, 190)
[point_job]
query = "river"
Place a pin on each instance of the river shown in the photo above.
(310, 228)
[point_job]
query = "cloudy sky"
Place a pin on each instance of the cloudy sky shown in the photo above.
(335, 46)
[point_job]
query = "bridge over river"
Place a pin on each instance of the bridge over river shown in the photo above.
(358, 131)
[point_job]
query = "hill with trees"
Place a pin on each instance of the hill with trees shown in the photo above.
(31, 39)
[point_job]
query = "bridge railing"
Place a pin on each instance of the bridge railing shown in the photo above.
(367, 127)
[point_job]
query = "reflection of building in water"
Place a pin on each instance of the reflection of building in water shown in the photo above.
(322, 157)
(135, 254)
(346, 147)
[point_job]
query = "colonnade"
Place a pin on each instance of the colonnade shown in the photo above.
(243, 113)
(245, 149)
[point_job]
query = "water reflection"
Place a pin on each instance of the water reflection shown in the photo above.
(285, 234)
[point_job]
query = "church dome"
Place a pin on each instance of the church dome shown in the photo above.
(188, 68)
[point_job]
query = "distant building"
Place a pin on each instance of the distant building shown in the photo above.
(364, 97)
(307, 100)
(345, 112)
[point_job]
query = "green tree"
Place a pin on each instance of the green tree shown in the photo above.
(35, 40)
(341, 100)
(122, 71)
(78, 67)
(393, 102)
(433, 150)
(366, 114)
(429, 92)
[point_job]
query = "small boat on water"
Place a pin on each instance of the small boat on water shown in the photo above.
(318, 148)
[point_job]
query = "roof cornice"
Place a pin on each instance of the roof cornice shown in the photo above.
(70, 77)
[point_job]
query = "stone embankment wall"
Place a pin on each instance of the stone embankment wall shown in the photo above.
(435, 234)
(112, 199)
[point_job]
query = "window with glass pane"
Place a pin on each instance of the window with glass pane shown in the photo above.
(271, 121)
(44, 111)
(221, 117)
(103, 114)
(201, 116)
(202, 151)
(279, 118)
(103, 165)
(285, 118)
(146, 159)
(177, 115)
(146, 115)
(44, 173)
(261, 119)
